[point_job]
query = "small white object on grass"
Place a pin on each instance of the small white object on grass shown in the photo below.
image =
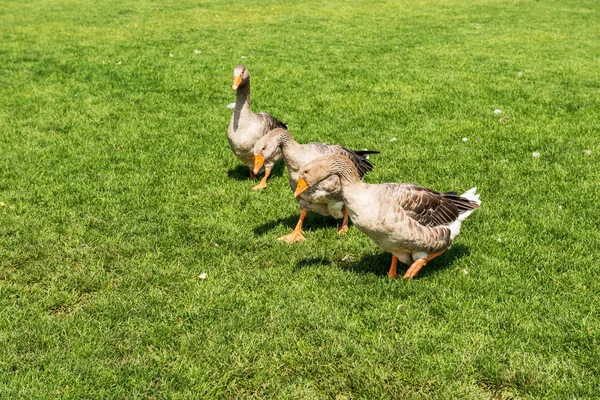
(465, 271)
(399, 307)
(465, 139)
(587, 152)
(536, 154)
(196, 51)
(203, 275)
(519, 73)
(244, 57)
(499, 240)
(215, 244)
(497, 111)
(231, 105)
(170, 54)
(393, 139)
(3, 204)
(560, 207)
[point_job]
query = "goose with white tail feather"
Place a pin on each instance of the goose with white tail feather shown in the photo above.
(412, 222)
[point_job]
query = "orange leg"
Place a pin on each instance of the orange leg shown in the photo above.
(344, 228)
(263, 182)
(417, 265)
(392, 272)
(297, 235)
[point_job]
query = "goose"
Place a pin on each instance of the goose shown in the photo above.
(246, 127)
(414, 223)
(325, 198)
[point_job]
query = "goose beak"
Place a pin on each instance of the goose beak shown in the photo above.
(237, 79)
(301, 187)
(258, 162)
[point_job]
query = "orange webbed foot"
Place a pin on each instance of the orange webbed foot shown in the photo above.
(295, 236)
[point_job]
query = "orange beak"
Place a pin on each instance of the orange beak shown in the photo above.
(258, 162)
(236, 82)
(300, 187)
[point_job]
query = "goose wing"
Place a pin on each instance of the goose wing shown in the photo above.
(270, 122)
(428, 207)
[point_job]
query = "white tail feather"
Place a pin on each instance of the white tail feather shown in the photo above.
(455, 226)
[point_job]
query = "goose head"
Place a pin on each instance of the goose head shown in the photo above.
(265, 148)
(314, 172)
(241, 76)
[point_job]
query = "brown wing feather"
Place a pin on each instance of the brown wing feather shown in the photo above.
(271, 122)
(428, 207)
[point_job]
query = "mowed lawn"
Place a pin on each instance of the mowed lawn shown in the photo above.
(118, 190)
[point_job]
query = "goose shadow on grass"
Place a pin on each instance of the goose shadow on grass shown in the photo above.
(242, 173)
(313, 221)
(379, 264)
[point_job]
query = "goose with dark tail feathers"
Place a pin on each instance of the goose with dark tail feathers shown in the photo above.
(246, 127)
(412, 222)
(324, 198)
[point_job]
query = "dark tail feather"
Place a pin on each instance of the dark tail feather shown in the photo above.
(461, 203)
(364, 165)
(364, 152)
(279, 124)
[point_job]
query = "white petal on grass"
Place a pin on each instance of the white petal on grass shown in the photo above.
(348, 258)
(519, 73)
(497, 111)
(535, 154)
(244, 57)
(560, 207)
(399, 307)
(203, 276)
(170, 54)
(196, 51)
(231, 105)
(499, 240)
(393, 139)
(465, 271)
(465, 139)
(587, 152)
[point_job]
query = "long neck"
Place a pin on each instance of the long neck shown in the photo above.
(242, 102)
(289, 147)
(286, 140)
(347, 172)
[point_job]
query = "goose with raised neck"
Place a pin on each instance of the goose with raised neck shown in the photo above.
(246, 127)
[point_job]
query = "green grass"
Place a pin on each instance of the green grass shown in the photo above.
(118, 181)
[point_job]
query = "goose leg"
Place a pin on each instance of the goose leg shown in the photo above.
(417, 265)
(344, 228)
(263, 182)
(297, 235)
(392, 272)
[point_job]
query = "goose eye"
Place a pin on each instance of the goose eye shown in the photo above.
(306, 171)
(264, 148)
